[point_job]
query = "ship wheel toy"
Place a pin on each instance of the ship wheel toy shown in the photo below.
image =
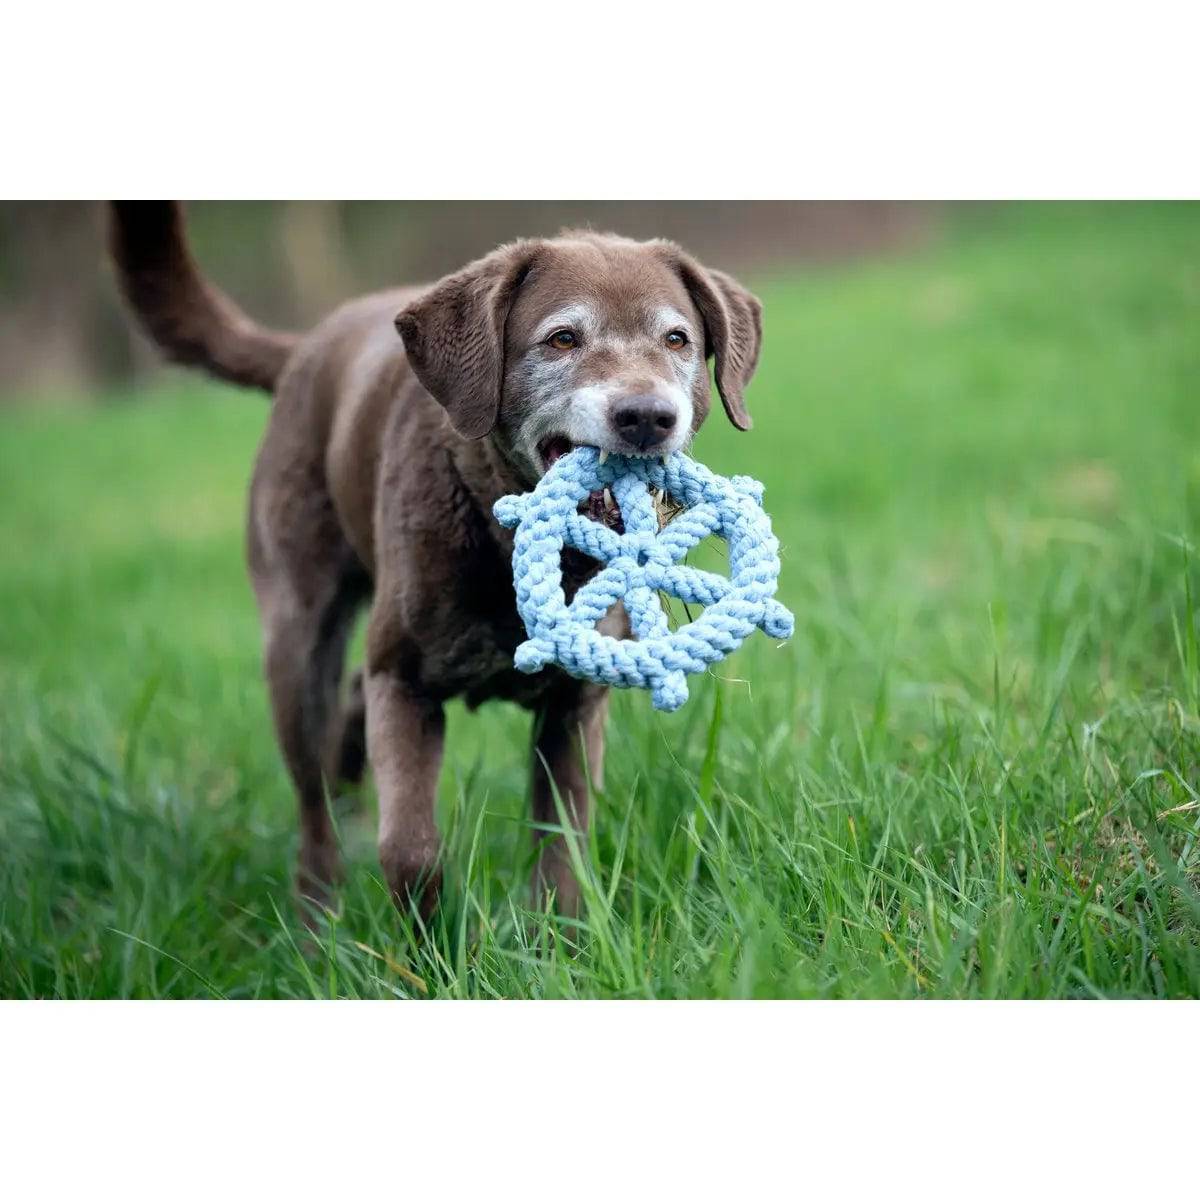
(637, 564)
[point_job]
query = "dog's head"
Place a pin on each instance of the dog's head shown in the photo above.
(585, 339)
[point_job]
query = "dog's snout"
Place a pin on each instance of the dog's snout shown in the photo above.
(643, 422)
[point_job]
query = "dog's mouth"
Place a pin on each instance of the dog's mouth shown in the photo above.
(599, 505)
(553, 448)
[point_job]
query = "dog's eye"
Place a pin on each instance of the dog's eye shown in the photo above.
(677, 339)
(562, 339)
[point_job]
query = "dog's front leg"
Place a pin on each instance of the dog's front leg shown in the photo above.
(568, 748)
(405, 734)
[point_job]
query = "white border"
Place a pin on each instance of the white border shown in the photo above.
(632, 99)
(730, 1099)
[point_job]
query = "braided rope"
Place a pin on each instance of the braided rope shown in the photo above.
(638, 564)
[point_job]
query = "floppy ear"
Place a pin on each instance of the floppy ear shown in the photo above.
(454, 336)
(732, 332)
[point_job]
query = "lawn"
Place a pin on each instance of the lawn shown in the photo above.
(972, 772)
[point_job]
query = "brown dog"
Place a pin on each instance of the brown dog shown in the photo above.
(375, 483)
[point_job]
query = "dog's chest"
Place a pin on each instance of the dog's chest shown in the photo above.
(469, 628)
(447, 588)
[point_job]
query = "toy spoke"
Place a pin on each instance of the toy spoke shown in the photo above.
(646, 613)
(694, 586)
(689, 528)
(597, 596)
(590, 537)
(637, 509)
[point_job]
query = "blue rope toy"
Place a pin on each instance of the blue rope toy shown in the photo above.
(638, 564)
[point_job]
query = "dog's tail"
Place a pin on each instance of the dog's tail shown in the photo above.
(191, 320)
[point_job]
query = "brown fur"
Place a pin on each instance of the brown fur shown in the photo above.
(374, 485)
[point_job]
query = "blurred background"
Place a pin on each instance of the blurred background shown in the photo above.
(64, 335)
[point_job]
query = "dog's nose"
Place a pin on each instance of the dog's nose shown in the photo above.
(643, 422)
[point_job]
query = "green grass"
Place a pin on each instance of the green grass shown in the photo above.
(973, 771)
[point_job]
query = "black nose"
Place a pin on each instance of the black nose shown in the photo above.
(643, 422)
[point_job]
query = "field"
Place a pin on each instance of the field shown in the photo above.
(972, 772)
